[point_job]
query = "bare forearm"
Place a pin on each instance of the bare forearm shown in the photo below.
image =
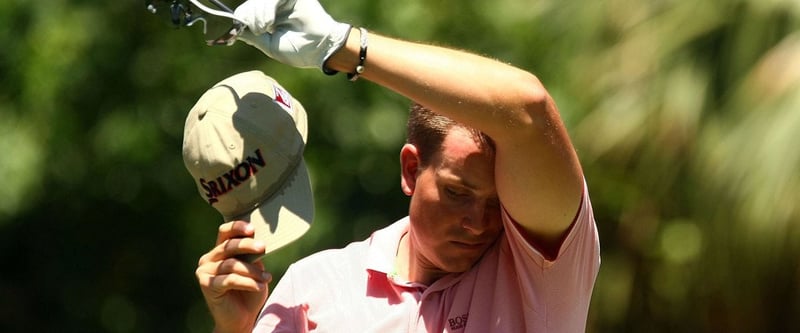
(477, 91)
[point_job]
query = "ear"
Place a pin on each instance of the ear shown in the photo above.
(409, 168)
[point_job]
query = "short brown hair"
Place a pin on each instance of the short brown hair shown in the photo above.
(426, 130)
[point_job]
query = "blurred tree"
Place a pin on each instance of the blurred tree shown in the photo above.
(685, 115)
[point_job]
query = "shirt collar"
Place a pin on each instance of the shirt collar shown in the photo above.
(383, 246)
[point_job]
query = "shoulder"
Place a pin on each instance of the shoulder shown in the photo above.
(332, 258)
(374, 253)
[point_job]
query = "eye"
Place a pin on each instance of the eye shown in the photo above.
(454, 193)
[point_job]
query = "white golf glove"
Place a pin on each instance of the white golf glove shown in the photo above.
(298, 33)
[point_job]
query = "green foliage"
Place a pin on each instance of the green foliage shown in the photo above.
(685, 115)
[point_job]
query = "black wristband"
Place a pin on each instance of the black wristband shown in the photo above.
(362, 56)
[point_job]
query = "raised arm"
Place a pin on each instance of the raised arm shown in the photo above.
(538, 176)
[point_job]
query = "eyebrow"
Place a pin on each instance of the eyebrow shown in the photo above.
(461, 181)
(450, 176)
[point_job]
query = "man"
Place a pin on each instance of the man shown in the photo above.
(500, 235)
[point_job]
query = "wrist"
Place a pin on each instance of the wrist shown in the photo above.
(346, 59)
(234, 325)
(345, 33)
(217, 329)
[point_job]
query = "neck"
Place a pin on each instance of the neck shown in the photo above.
(408, 265)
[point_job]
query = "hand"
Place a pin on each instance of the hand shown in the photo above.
(234, 290)
(298, 33)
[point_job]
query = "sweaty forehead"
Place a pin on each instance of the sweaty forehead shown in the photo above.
(460, 142)
(465, 160)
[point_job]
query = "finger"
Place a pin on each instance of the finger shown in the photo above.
(221, 284)
(235, 247)
(232, 266)
(247, 249)
(241, 246)
(238, 267)
(234, 229)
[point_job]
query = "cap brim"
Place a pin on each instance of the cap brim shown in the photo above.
(287, 215)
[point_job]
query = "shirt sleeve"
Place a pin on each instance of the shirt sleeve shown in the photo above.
(580, 238)
(556, 290)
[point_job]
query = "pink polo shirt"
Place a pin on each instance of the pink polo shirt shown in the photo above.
(513, 288)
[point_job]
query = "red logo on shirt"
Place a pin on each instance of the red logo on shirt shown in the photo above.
(458, 322)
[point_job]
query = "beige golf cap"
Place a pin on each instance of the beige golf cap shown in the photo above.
(243, 143)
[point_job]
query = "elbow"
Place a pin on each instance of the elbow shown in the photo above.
(536, 106)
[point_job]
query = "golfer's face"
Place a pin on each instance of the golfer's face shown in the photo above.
(455, 212)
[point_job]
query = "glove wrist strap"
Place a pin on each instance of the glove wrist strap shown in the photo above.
(345, 36)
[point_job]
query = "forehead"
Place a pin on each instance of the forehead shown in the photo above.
(459, 140)
(464, 158)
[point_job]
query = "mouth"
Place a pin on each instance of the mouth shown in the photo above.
(468, 245)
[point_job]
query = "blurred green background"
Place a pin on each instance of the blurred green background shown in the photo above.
(685, 114)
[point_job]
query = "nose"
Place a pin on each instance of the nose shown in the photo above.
(476, 218)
